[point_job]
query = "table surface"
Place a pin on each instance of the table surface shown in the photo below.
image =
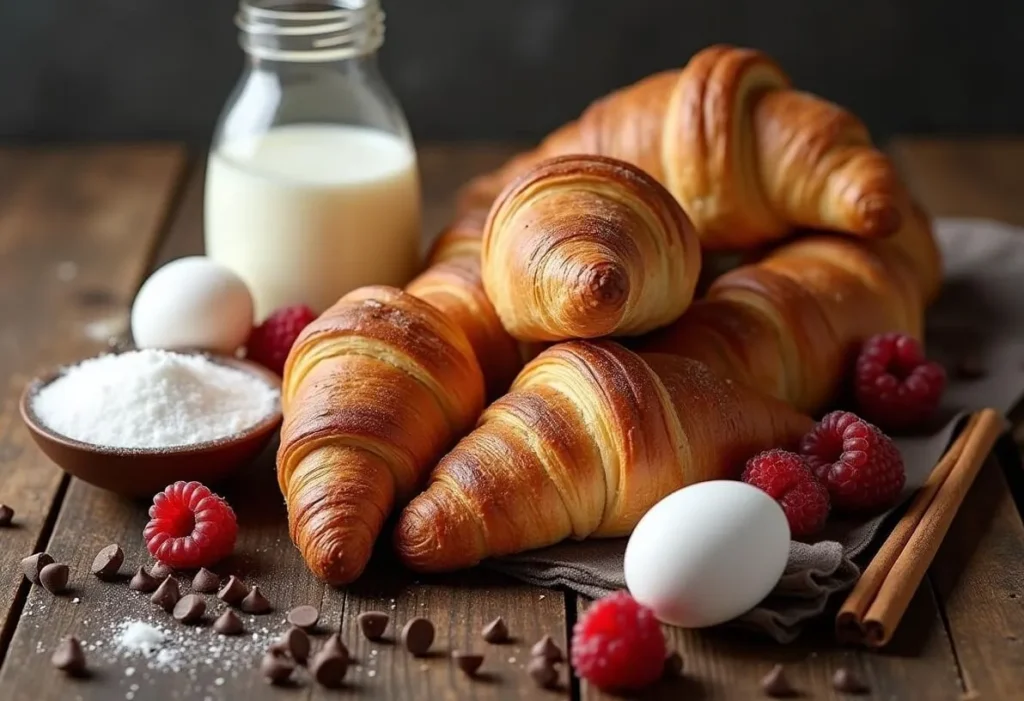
(79, 229)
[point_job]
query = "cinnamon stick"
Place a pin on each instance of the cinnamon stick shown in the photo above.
(851, 614)
(876, 607)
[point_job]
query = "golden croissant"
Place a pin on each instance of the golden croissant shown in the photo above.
(747, 156)
(374, 392)
(590, 436)
(587, 246)
(791, 324)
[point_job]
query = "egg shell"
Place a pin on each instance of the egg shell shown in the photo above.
(193, 303)
(707, 553)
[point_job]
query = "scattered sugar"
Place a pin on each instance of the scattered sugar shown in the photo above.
(153, 399)
(138, 636)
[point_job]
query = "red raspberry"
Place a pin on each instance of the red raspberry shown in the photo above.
(895, 385)
(270, 342)
(860, 465)
(190, 527)
(787, 478)
(618, 644)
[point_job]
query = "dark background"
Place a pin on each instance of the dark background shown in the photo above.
(475, 69)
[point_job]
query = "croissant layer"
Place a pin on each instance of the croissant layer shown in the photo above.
(374, 392)
(590, 436)
(746, 155)
(586, 246)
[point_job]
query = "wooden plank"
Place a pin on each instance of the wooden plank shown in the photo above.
(978, 575)
(77, 228)
(965, 178)
(978, 571)
(459, 607)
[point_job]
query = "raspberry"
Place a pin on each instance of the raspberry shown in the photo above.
(190, 527)
(895, 386)
(270, 342)
(618, 644)
(859, 464)
(787, 478)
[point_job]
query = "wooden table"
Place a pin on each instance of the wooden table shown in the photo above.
(79, 229)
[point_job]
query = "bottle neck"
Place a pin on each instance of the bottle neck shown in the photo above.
(310, 32)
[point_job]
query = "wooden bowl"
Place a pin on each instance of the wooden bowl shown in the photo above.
(142, 472)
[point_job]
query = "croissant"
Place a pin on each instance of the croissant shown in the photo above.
(746, 155)
(455, 288)
(374, 392)
(590, 436)
(789, 325)
(586, 246)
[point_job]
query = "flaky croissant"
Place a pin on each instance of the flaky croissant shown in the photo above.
(590, 436)
(374, 392)
(455, 288)
(587, 246)
(790, 324)
(748, 157)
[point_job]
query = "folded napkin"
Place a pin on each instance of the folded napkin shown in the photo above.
(981, 311)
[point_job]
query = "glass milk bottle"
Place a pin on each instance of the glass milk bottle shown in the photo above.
(312, 186)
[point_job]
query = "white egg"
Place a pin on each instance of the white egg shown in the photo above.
(707, 553)
(193, 302)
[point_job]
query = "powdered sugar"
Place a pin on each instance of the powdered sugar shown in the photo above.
(153, 399)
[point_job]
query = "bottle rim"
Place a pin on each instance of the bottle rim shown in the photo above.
(324, 30)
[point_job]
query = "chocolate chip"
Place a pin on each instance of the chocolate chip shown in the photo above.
(233, 592)
(32, 565)
(329, 670)
(108, 561)
(189, 609)
(776, 683)
(68, 657)
(373, 624)
(543, 673)
(468, 662)
(228, 623)
(846, 681)
(167, 595)
(255, 602)
(54, 577)
(161, 571)
(205, 581)
(276, 669)
(295, 642)
(673, 665)
(496, 631)
(6, 515)
(304, 617)
(336, 647)
(546, 648)
(970, 366)
(418, 636)
(143, 581)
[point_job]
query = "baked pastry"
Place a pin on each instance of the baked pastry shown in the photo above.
(747, 156)
(790, 324)
(587, 246)
(455, 288)
(374, 392)
(590, 436)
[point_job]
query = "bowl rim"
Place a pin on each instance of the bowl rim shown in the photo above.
(38, 426)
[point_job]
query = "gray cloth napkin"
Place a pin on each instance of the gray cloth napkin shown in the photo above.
(981, 310)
